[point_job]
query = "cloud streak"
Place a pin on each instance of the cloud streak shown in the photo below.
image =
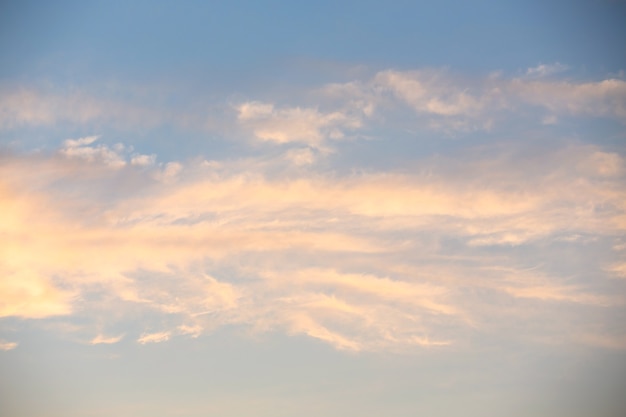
(441, 99)
(106, 340)
(371, 261)
(7, 345)
(154, 338)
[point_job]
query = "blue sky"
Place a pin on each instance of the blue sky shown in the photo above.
(289, 209)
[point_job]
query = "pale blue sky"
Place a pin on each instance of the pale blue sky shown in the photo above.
(265, 208)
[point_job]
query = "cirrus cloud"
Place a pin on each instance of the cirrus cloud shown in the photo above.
(387, 260)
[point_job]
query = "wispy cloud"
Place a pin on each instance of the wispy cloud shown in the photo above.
(563, 294)
(44, 107)
(544, 70)
(438, 99)
(115, 157)
(366, 260)
(447, 101)
(606, 98)
(7, 345)
(617, 269)
(25, 292)
(295, 124)
(107, 340)
(378, 260)
(154, 337)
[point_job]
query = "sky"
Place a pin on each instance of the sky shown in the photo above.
(278, 209)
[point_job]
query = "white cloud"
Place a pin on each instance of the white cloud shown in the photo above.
(544, 70)
(75, 143)
(77, 148)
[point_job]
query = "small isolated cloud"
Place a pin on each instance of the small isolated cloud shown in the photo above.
(75, 143)
(154, 338)
(544, 70)
(107, 340)
(4, 345)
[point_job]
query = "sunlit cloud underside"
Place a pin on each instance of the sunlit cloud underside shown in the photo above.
(436, 254)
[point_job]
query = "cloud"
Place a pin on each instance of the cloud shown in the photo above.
(385, 260)
(193, 330)
(154, 337)
(295, 124)
(606, 98)
(301, 157)
(77, 148)
(29, 106)
(431, 93)
(25, 293)
(143, 160)
(563, 294)
(448, 102)
(75, 143)
(117, 156)
(305, 324)
(107, 340)
(544, 70)
(376, 259)
(7, 345)
(438, 100)
(617, 269)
